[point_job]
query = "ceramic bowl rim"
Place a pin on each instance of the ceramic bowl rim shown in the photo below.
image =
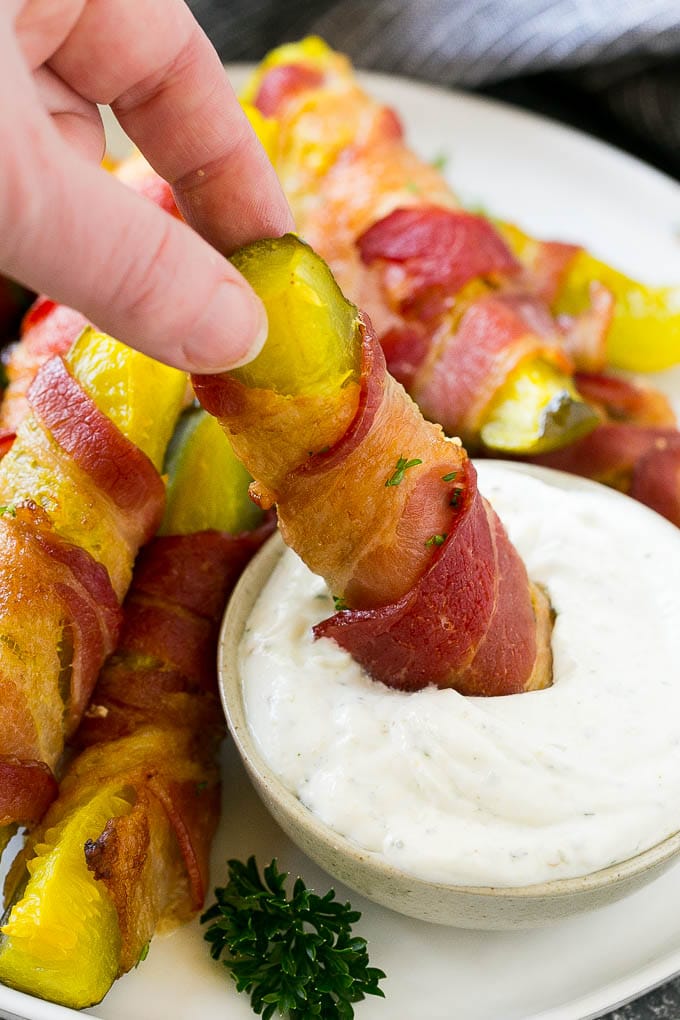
(231, 693)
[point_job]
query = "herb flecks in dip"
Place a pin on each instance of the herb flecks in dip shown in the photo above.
(503, 791)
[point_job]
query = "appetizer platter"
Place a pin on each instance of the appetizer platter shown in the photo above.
(504, 151)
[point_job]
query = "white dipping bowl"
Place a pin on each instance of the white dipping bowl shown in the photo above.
(368, 872)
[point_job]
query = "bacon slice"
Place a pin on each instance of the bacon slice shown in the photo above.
(433, 248)
(637, 460)
(656, 479)
(59, 620)
(180, 587)
(47, 329)
(97, 447)
(70, 476)
(26, 790)
(495, 335)
(466, 624)
(621, 400)
(636, 449)
(283, 82)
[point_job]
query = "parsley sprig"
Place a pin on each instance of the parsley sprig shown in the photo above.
(403, 465)
(293, 956)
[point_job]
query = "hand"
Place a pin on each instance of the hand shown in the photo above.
(69, 229)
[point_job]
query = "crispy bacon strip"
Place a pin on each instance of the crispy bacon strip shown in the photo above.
(60, 619)
(26, 790)
(642, 462)
(117, 467)
(106, 490)
(181, 582)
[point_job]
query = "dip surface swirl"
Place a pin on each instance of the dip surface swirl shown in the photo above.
(503, 791)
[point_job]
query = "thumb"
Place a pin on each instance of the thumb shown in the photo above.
(77, 234)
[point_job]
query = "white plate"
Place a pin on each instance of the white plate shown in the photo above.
(561, 184)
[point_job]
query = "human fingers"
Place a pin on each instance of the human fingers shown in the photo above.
(170, 93)
(71, 230)
(77, 121)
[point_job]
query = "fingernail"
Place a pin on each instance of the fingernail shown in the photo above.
(232, 330)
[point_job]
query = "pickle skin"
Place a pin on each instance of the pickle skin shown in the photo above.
(536, 411)
(644, 335)
(207, 484)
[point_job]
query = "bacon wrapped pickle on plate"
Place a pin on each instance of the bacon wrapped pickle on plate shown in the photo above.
(80, 492)
(463, 324)
(123, 851)
(481, 322)
(636, 449)
(374, 498)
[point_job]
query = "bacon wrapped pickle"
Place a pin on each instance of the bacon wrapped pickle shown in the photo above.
(374, 498)
(642, 322)
(80, 492)
(636, 449)
(124, 849)
(463, 325)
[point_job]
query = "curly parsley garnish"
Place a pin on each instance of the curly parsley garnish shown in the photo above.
(437, 539)
(339, 604)
(293, 956)
(402, 467)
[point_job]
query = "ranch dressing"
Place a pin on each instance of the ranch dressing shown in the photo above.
(503, 791)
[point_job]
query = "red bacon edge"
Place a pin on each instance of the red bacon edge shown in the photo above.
(27, 788)
(116, 465)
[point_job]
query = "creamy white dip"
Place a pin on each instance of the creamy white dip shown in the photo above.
(502, 791)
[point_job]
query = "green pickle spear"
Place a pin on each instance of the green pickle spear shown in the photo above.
(644, 333)
(306, 380)
(140, 395)
(135, 392)
(536, 410)
(207, 484)
(64, 913)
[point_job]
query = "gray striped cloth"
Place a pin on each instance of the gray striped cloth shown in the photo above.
(618, 59)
